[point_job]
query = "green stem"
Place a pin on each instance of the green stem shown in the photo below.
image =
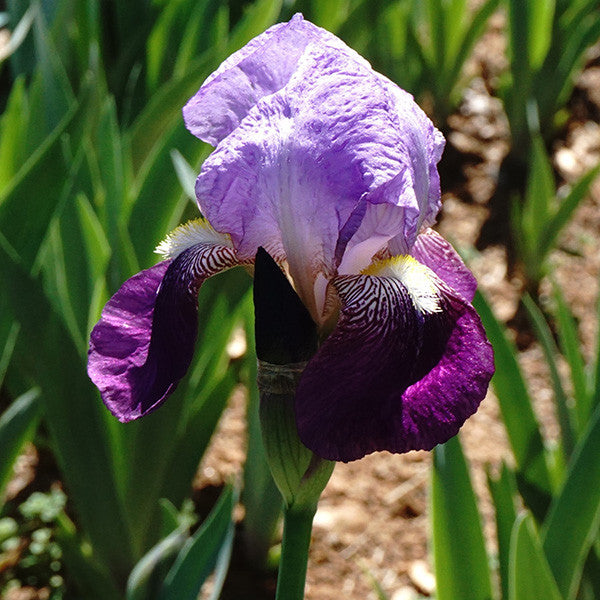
(297, 527)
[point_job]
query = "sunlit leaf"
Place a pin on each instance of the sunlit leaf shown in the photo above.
(517, 413)
(530, 575)
(200, 554)
(461, 562)
(574, 516)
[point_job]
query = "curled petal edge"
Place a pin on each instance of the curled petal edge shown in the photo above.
(144, 342)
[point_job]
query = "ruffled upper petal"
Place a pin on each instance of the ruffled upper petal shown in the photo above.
(308, 164)
(144, 342)
(402, 371)
(262, 67)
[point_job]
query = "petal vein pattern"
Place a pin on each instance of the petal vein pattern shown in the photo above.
(391, 377)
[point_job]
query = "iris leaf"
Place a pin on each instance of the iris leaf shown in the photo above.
(517, 413)
(544, 336)
(145, 580)
(12, 138)
(461, 562)
(567, 207)
(574, 516)
(185, 173)
(150, 220)
(571, 348)
(530, 575)
(200, 554)
(79, 425)
(504, 493)
(44, 170)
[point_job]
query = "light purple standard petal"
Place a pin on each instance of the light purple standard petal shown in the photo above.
(144, 342)
(262, 67)
(432, 250)
(304, 161)
(391, 377)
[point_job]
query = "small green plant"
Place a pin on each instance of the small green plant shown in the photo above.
(29, 550)
(541, 215)
(547, 44)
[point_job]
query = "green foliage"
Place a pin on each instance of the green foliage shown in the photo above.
(31, 534)
(519, 418)
(96, 167)
(17, 426)
(548, 548)
(87, 189)
(178, 565)
(461, 563)
(547, 44)
(530, 575)
(542, 214)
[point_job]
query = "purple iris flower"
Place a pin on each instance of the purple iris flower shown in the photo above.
(331, 168)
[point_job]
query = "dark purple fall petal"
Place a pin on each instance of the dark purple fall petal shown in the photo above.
(144, 342)
(390, 377)
(433, 251)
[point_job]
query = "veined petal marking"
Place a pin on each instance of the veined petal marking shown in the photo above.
(390, 377)
(420, 281)
(192, 233)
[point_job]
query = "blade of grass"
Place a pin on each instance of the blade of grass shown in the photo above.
(145, 579)
(540, 28)
(73, 412)
(530, 575)
(200, 554)
(555, 224)
(17, 426)
(574, 516)
(9, 334)
(461, 562)
(12, 140)
(25, 213)
(543, 334)
(570, 346)
(504, 492)
(517, 413)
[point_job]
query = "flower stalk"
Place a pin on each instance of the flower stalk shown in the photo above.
(299, 474)
(297, 528)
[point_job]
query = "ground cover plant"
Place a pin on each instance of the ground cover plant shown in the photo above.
(96, 166)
